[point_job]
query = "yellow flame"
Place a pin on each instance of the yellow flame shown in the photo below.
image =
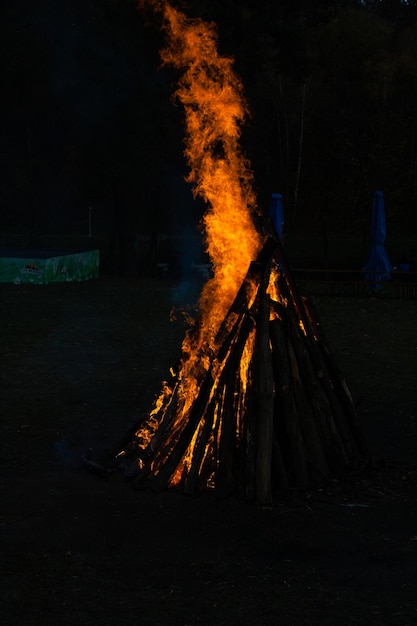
(246, 359)
(214, 107)
(212, 96)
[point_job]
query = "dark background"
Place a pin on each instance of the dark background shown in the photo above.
(87, 118)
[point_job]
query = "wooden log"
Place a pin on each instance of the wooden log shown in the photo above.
(308, 405)
(225, 475)
(288, 287)
(127, 446)
(340, 385)
(247, 461)
(219, 415)
(311, 377)
(225, 402)
(231, 413)
(255, 276)
(286, 417)
(170, 456)
(148, 455)
(320, 367)
(265, 382)
(279, 478)
(199, 453)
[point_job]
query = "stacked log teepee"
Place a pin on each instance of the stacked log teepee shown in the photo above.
(286, 420)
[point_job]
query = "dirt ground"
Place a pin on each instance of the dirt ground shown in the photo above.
(79, 364)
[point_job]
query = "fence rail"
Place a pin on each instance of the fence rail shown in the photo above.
(353, 283)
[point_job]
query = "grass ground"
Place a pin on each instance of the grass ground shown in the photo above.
(80, 363)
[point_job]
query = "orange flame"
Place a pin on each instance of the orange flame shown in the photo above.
(214, 107)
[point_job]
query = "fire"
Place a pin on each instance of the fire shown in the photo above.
(214, 107)
(238, 388)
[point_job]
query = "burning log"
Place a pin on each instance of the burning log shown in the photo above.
(270, 412)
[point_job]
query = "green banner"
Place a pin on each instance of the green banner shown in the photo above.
(41, 270)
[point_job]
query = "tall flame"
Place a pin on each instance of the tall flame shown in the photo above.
(212, 96)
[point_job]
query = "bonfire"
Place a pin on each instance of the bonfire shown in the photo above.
(255, 404)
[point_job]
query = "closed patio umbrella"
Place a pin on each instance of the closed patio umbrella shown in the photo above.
(276, 213)
(378, 266)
